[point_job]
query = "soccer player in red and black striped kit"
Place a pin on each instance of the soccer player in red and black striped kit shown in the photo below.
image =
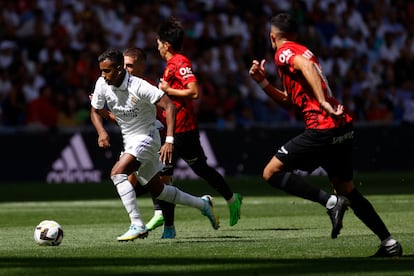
(180, 83)
(326, 141)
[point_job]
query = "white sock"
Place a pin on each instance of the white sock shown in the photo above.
(388, 241)
(128, 197)
(174, 195)
(331, 202)
(157, 212)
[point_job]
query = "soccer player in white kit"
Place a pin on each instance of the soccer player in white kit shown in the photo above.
(131, 101)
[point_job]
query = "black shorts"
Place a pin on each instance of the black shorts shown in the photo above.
(330, 149)
(188, 147)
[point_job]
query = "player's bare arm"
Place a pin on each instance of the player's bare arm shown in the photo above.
(97, 121)
(108, 115)
(309, 71)
(258, 73)
(191, 90)
(170, 110)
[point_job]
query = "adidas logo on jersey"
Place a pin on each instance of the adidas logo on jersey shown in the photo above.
(74, 165)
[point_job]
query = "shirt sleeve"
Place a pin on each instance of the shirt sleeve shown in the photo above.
(150, 92)
(284, 57)
(184, 72)
(98, 98)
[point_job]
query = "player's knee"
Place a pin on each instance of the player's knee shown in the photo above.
(274, 166)
(266, 175)
(268, 172)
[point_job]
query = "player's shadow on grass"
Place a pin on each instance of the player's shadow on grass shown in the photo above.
(204, 266)
(232, 237)
(276, 229)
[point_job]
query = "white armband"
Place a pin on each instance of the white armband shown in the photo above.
(169, 139)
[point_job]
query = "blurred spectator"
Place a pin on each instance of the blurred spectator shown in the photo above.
(41, 112)
(408, 115)
(206, 104)
(5, 84)
(14, 105)
(362, 45)
(376, 111)
(70, 113)
(34, 31)
(7, 56)
(389, 50)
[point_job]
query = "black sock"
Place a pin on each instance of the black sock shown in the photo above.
(364, 210)
(156, 204)
(297, 186)
(168, 211)
(213, 178)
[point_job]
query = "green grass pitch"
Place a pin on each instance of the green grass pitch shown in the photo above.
(277, 234)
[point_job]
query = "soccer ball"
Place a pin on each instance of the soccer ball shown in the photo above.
(48, 232)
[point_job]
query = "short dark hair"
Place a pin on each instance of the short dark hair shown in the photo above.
(285, 22)
(172, 31)
(114, 55)
(135, 52)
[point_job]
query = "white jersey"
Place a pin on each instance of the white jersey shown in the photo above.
(132, 103)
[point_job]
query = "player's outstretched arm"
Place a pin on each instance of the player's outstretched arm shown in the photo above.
(258, 73)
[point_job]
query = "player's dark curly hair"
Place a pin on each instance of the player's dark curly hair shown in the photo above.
(285, 22)
(114, 55)
(172, 31)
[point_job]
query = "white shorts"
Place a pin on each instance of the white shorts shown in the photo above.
(146, 150)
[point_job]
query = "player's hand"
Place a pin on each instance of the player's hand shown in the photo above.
(339, 111)
(166, 152)
(257, 70)
(334, 112)
(164, 86)
(103, 140)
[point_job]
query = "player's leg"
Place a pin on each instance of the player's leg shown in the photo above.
(148, 174)
(163, 211)
(174, 195)
(278, 176)
(305, 152)
(188, 147)
(168, 210)
(291, 183)
(364, 210)
(160, 207)
(217, 182)
(119, 175)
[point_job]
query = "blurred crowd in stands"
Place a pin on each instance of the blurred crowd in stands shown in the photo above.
(49, 50)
